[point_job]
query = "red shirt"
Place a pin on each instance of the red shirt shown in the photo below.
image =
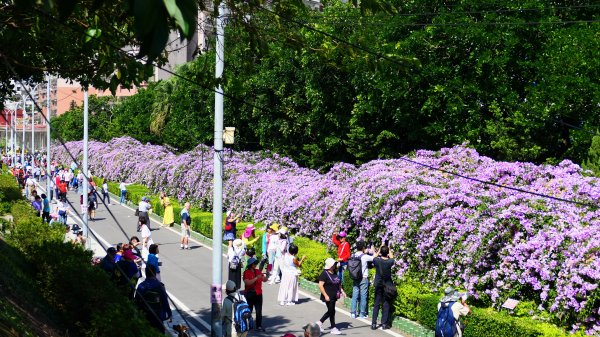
(249, 274)
(343, 248)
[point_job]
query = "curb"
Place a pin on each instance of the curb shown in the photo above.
(405, 326)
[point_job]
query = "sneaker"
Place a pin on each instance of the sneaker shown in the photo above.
(260, 329)
(290, 303)
(186, 247)
(335, 331)
(281, 303)
(363, 316)
(181, 247)
(353, 315)
(320, 325)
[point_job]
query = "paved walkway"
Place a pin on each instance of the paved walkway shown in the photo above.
(187, 276)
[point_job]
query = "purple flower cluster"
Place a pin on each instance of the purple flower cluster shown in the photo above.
(445, 229)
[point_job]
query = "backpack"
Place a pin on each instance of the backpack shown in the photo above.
(234, 262)
(445, 324)
(242, 316)
(355, 268)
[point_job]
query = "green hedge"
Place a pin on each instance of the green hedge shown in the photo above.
(59, 277)
(9, 192)
(316, 254)
(414, 301)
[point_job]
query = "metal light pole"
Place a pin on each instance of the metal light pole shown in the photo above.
(32, 134)
(5, 133)
(48, 137)
(23, 131)
(85, 163)
(217, 259)
(13, 136)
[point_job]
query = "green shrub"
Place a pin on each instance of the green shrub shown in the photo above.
(9, 192)
(60, 276)
(316, 254)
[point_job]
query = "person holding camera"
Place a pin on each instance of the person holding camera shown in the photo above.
(451, 308)
(383, 275)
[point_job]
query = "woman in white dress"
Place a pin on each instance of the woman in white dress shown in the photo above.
(288, 288)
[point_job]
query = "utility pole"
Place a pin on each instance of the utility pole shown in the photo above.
(13, 132)
(85, 164)
(23, 129)
(48, 175)
(217, 258)
(33, 133)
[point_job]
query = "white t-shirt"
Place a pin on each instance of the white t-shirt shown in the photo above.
(364, 262)
(146, 233)
(105, 187)
(30, 181)
(122, 187)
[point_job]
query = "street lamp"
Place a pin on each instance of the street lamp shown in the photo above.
(33, 134)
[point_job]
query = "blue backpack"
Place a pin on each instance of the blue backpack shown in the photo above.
(445, 324)
(242, 316)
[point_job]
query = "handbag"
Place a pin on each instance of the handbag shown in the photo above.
(338, 294)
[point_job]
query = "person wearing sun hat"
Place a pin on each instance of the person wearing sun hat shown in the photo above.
(280, 250)
(343, 251)
(231, 221)
(144, 209)
(331, 290)
(458, 305)
(249, 236)
(270, 239)
(253, 279)
(235, 256)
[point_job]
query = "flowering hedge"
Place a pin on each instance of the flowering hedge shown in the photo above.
(495, 242)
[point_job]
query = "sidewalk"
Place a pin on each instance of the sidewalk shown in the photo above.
(187, 276)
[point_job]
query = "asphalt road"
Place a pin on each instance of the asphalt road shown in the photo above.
(187, 275)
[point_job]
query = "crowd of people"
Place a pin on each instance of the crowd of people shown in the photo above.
(130, 263)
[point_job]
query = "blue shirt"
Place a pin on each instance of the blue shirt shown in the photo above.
(153, 261)
(185, 216)
(46, 205)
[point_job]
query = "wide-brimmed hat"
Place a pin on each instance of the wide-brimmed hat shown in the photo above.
(451, 295)
(274, 226)
(251, 261)
(249, 230)
(283, 230)
(238, 243)
(330, 262)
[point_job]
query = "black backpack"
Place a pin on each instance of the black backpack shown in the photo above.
(355, 268)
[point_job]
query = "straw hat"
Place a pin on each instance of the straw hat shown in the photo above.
(274, 226)
(283, 230)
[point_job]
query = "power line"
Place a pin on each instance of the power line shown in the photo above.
(580, 203)
(366, 50)
(490, 11)
(346, 42)
(475, 23)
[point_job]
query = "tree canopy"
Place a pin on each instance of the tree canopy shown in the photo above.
(518, 81)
